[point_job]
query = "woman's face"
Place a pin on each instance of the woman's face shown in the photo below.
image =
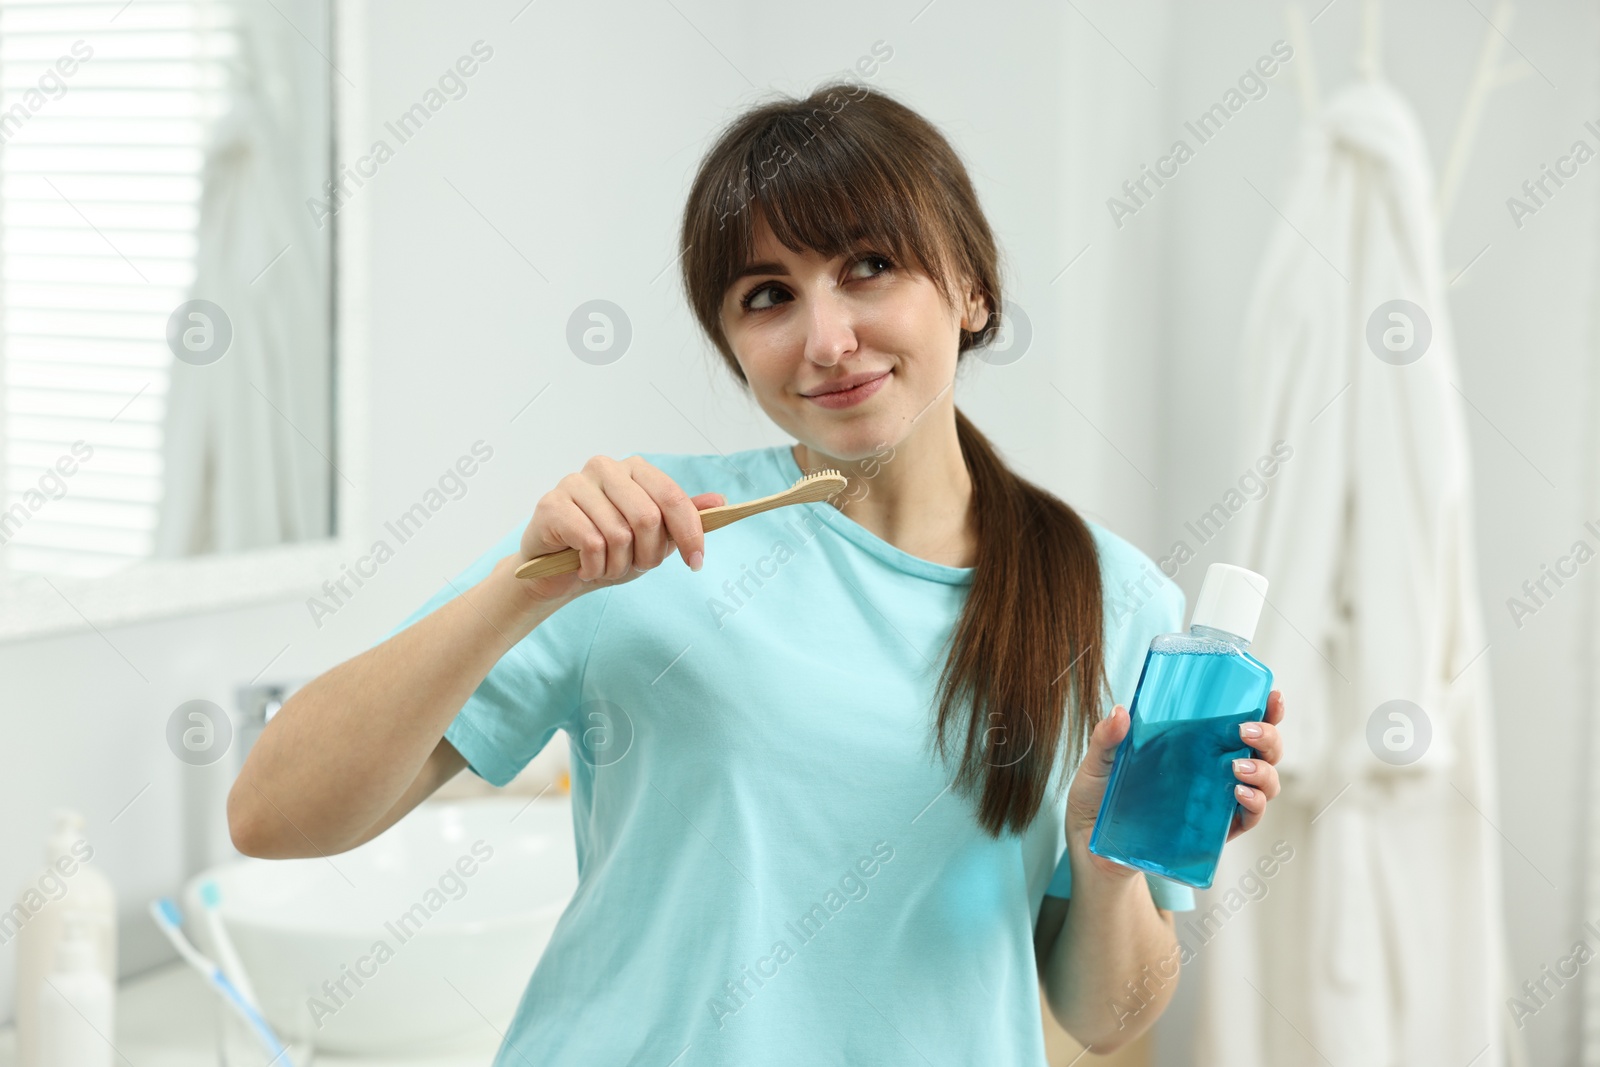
(801, 324)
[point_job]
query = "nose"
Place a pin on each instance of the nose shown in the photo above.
(830, 329)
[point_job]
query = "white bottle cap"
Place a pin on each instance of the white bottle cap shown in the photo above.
(68, 830)
(1230, 599)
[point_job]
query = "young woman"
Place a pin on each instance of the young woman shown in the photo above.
(820, 769)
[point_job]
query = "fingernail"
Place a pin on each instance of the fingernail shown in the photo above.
(1250, 729)
(1244, 766)
(696, 559)
(1244, 791)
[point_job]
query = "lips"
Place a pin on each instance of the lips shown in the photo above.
(848, 382)
(850, 391)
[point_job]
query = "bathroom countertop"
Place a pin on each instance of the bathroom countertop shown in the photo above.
(166, 1019)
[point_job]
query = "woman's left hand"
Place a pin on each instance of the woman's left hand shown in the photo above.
(1258, 775)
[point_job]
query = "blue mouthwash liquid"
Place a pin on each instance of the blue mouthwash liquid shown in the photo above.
(1170, 800)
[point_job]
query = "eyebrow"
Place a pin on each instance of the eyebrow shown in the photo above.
(857, 241)
(760, 268)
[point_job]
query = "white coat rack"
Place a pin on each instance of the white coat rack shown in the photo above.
(1487, 76)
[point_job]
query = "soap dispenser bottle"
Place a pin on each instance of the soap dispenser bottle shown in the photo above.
(68, 882)
(76, 1006)
(1170, 799)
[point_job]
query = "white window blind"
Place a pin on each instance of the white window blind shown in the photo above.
(99, 198)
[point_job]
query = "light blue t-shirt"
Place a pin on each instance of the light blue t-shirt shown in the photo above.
(772, 867)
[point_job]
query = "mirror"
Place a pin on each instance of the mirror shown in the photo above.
(166, 309)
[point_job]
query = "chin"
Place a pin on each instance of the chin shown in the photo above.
(870, 437)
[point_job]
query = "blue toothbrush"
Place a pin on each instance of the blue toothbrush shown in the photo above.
(170, 920)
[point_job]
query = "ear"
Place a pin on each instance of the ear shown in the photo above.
(975, 314)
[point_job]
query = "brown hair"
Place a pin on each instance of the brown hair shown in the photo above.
(848, 164)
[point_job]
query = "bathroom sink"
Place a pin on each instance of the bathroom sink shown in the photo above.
(420, 939)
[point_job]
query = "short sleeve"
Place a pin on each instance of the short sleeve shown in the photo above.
(1140, 603)
(533, 690)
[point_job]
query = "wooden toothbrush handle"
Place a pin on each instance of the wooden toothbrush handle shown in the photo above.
(567, 560)
(563, 562)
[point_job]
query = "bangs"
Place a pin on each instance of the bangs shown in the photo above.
(820, 188)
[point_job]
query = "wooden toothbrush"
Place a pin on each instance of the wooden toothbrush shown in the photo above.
(813, 488)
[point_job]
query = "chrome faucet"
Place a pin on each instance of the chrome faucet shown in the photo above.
(257, 704)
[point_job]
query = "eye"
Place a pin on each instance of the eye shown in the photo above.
(748, 301)
(873, 257)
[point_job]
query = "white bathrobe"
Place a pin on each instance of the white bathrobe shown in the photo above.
(1381, 942)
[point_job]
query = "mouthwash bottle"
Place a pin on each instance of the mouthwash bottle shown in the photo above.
(1170, 799)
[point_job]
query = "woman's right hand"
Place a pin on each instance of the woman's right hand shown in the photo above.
(623, 516)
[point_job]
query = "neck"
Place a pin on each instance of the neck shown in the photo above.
(916, 496)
